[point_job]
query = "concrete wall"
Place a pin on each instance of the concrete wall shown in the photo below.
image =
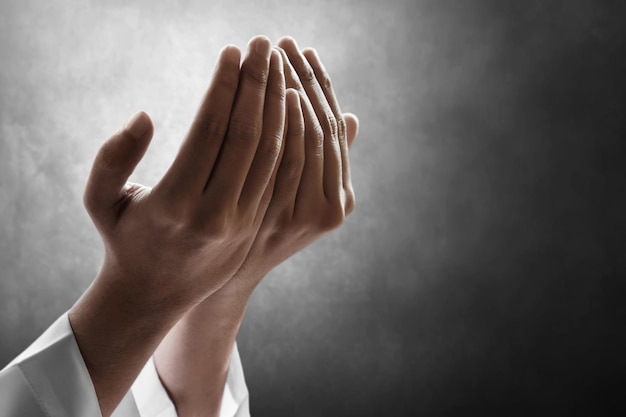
(481, 268)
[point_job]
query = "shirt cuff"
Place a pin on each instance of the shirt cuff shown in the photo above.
(53, 376)
(153, 401)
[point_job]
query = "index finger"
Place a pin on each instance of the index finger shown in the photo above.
(245, 126)
(195, 159)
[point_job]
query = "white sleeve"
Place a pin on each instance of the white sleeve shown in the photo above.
(153, 401)
(50, 379)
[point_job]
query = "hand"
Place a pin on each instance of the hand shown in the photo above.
(183, 239)
(313, 192)
(312, 195)
(169, 247)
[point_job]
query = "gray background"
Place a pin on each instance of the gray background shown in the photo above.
(481, 268)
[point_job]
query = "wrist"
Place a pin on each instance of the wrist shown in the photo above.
(239, 289)
(193, 359)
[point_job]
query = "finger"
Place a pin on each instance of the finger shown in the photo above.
(268, 194)
(115, 162)
(195, 159)
(293, 82)
(244, 128)
(352, 127)
(271, 137)
(332, 154)
(345, 137)
(326, 85)
(291, 76)
(311, 183)
(292, 161)
(323, 80)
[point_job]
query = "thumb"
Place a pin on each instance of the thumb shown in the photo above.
(115, 162)
(352, 127)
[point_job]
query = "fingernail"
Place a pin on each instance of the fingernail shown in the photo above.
(137, 125)
(263, 46)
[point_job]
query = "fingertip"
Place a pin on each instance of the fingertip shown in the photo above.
(126, 148)
(276, 60)
(310, 52)
(115, 161)
(287, 42)
(280, 50)
(260, 38)
(138, 125)
(313, 58)
(261, 44)
(285, 39)
(293, 97)
(231, 53)
(352, 127)
(294, 106)
(285, 60)
(352, 117)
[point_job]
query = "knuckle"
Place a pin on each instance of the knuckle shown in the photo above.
(306, 74)
(255, 74)
(292, 80)
(169, 226)
(218, 227)
(270, 148)
(325, 80)
(168, 216)
(277, 92)
(331, 122)
(292, 165)
(341, 130)
(212, 125)
(174, 218)
(244, 128)
(317, 137)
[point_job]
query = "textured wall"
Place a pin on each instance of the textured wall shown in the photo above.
(481, 268)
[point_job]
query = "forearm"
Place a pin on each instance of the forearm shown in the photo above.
(117, 335)
(193, 359)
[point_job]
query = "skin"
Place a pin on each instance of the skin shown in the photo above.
(312, 196)
(262, 173)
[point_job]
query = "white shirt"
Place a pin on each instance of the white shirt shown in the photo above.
(50, 379)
